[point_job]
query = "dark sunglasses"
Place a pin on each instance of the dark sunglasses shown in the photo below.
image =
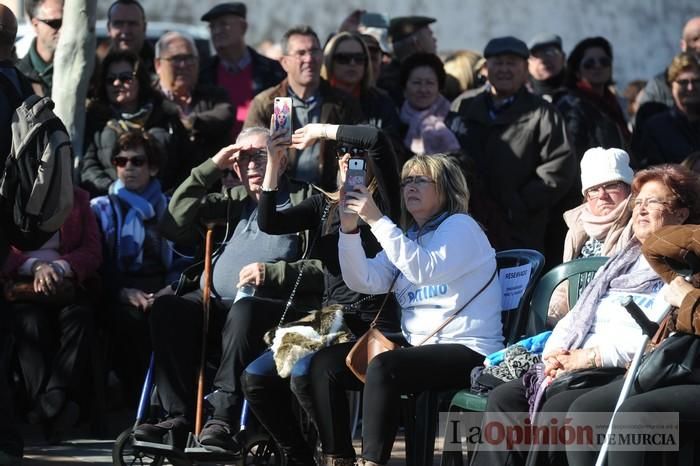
(340, 151)
(123, 78)
(347, 58)
(590, 63)
(52, 23)
(121, 162)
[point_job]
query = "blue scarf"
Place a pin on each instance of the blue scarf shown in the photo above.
(132, 233)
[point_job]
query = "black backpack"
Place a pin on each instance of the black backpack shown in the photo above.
(36, 186)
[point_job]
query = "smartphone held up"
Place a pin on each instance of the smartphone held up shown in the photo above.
(354, 176)
(282, 120)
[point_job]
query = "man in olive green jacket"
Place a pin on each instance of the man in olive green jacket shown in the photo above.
(243, 256)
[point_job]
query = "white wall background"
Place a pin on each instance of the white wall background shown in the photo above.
(644, 33)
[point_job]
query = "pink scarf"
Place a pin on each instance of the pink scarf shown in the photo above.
(427, 133)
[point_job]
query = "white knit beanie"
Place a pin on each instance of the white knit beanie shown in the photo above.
(599, 166)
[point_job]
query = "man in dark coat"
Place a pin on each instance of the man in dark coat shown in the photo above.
(237, 68)
(518, 145)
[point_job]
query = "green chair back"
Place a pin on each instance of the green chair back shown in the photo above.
(578, 272)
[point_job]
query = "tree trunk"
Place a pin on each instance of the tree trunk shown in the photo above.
(73, 65)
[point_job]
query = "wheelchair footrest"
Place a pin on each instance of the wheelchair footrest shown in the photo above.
(195, 451)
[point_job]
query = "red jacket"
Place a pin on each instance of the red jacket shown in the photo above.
(80, 242)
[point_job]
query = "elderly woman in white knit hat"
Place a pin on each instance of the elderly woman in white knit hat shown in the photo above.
(600, 226)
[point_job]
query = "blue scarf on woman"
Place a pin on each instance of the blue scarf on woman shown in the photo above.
(131, 234)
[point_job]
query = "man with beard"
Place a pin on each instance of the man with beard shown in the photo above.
(670, 136)
(313, 101)
(517, 143)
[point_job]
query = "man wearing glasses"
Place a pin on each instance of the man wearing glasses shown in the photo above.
(313, 101)
(244, 255)
(205, 111)
(237, 68)
(546, 65)
(46, 17)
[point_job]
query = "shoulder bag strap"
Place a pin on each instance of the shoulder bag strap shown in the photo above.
(454, 314)
(386, 298)
(319, 232)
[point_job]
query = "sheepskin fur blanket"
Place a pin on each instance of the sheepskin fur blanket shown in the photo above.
(291, 342)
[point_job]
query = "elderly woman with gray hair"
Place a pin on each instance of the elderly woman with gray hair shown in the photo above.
(597, 333)
(600, 225)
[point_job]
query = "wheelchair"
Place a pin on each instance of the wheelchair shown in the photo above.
(258, 448)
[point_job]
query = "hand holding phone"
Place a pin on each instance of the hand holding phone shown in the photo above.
(354, 176)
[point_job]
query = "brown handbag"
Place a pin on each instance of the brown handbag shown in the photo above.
(374, 343)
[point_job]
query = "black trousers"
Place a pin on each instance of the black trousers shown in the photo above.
(682, 399)
(510, 397)
(391, 374)
(10, 439)
(52, 345)
(236, 334)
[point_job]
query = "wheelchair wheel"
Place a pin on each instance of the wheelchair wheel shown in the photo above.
(123, 453)
(261, 450)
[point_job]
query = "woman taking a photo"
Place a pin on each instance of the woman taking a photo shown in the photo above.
(433, 276)
(268, 394)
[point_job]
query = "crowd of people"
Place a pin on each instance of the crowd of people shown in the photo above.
(519, 146)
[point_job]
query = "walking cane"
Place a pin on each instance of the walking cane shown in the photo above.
(649, 328)
(199, 416)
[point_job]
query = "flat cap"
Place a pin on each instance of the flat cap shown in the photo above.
(404, 26)
(235, 8)
(506, 45)
(543, 40)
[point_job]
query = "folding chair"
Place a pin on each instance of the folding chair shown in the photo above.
(525, 266)
(578, 273)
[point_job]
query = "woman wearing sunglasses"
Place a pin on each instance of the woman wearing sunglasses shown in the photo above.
(591, 111)
(139, 262)
(126, 100)
(268, 395)
(347, 66)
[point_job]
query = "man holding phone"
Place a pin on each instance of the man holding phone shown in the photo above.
(313, 101)
(246, 256)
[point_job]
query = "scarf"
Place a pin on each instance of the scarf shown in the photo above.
(613, 276)
(608, 104)
(125, 121)
(598, 226)
(132, 232)
(427, 133)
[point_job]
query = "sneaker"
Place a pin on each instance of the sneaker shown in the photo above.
(154, 433)
(217, 435)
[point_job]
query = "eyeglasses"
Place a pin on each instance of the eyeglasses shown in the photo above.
(614, 187)
(138, 161)
(183, 60)
(257, 156)
(340, 151)
(685, 82)
(123, 78)
(650, 203)
(590, 63)
(347, 58)
(418, 181)
(301, 54)
(54, 24)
